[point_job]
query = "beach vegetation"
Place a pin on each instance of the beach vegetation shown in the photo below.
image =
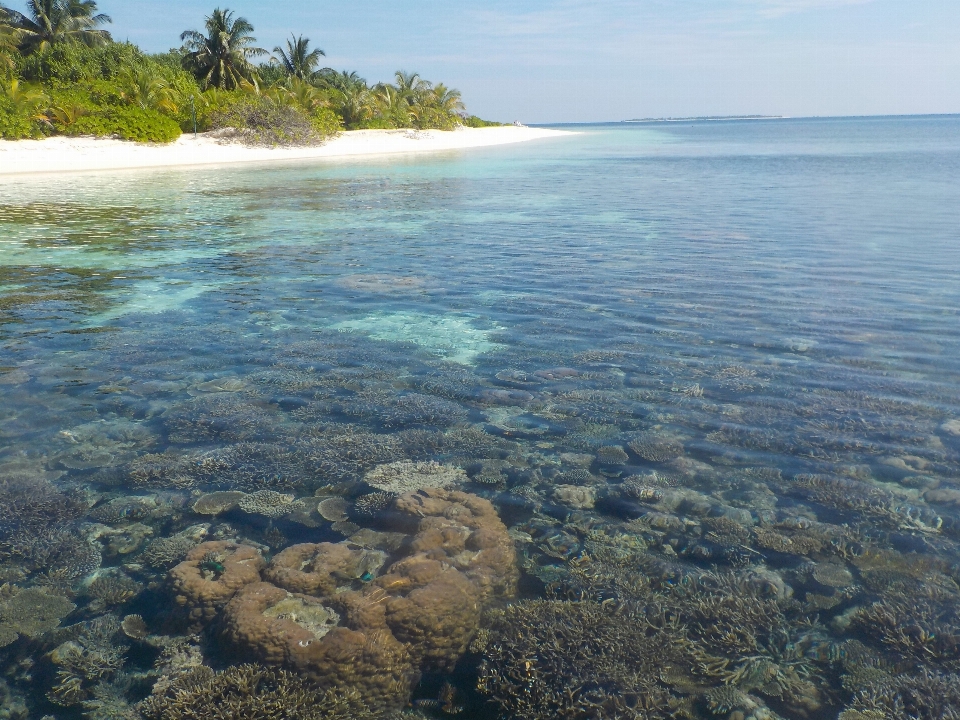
(297, 59)
(62, 73)
(222, 58)
(141, 124)
(52, 22)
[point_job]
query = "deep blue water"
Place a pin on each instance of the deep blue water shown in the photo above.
(773, 302)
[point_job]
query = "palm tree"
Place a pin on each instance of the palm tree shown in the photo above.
(25, 100)
(147, 90)
(447, 99)
(48, 22)
(410, 85)
(296, 59)
(343, 81)
(221, 58)
(9, 41)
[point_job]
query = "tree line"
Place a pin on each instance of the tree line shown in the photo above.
(62, 73)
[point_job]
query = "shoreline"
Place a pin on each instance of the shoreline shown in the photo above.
(86, 154)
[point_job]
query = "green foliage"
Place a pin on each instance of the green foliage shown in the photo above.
(16, 125)
(73, 79)
(297, 59)
(221, 58)
(326, 122)
(69, 63)
(474, 122)
(127, 123)
(48, 23)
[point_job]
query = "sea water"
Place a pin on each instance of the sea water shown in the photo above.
(724, 354)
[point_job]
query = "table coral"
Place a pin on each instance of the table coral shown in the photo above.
(211, 574)
(30, 612)
(405, 476)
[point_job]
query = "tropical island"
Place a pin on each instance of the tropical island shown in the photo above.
(63, 75)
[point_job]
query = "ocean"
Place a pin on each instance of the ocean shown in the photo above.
(690, 392)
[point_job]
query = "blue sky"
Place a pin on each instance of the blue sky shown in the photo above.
(581, 60)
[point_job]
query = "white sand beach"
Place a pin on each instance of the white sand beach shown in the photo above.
(63, 154)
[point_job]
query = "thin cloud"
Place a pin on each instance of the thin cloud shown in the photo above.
(778, 8)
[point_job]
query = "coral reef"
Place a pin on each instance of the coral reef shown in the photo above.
(319, 569)
(551, 659)
(218, 502)
(268, 503)
(252, 692)
(612, 455)
(322, 609)
(210, 575)
(404, 476)
(276, 627)
(654, 447)
(29, 612)
(371, 504)
(928, 695)
(164, 552)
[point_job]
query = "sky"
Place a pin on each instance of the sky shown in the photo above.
(553, 61)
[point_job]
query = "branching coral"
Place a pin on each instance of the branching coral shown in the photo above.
(928, 695)
(252, 692)
(553, 659)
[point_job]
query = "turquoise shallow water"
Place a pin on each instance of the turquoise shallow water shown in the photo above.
(715, 356)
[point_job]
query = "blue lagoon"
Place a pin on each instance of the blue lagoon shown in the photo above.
(650, 421)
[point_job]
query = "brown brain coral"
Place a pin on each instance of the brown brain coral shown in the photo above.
(304, 633)
(211, 574)
(465, 531)
(418, 616)
(318, 569)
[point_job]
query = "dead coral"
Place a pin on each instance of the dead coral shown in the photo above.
(210, 575)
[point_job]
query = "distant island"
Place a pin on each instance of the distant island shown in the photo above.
(707, 118)
(61, 73)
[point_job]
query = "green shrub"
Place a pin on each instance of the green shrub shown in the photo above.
(326, 122)
(375, 123)
(475, 122)
(17, 126)
(127, 123)
(66, 63)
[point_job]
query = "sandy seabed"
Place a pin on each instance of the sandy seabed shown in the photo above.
(63, 154)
